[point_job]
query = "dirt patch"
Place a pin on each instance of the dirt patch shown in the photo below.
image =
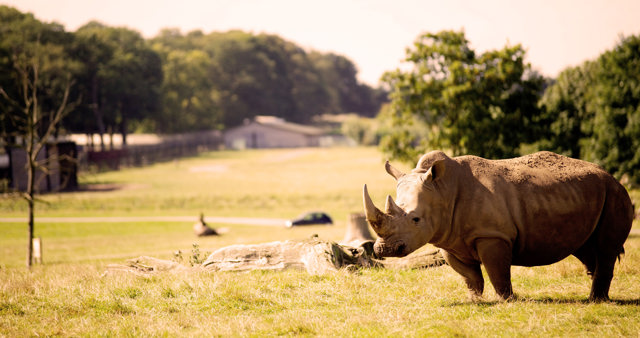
(213, 168)
(288, 155)
(105, 187)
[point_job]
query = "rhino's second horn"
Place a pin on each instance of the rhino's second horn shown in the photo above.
(392, 208)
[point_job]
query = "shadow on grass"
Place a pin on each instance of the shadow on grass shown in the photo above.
(547, 300)
(550, 300)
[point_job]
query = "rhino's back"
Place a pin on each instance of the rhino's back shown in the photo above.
(546, 204)
(541, 168)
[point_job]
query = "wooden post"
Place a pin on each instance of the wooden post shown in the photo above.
(37, 250)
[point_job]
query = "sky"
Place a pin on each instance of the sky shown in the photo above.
(374, 34)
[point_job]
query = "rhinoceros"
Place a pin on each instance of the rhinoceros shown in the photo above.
(526, 211)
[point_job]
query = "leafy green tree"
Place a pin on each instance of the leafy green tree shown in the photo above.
(188, 97)
(239, 75)
(567, 110)
(482, 104)
(594, 110)
(251, 79)
(94, 53)
(616, 126)
(22, 37)
(133, 81)
(338, 77)
(120, 82)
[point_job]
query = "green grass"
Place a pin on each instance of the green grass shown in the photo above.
(269, 183)
(71, 296)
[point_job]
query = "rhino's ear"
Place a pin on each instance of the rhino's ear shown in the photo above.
(397, 174)
(434, 173)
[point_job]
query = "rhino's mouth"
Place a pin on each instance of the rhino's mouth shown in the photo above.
(382, 249)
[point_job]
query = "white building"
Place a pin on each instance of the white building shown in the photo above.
(272, 132)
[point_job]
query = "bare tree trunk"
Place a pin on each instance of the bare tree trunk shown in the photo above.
(111, 133)
(31, 174)
(32, 155)
(123, 130)
(97, 112)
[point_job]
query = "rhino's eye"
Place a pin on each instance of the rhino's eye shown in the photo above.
(416, 219)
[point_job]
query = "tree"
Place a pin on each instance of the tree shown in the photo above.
(224, 78)
(36, 103)
(594, 110)
(565, 108)
(132, 81)
(250, 79)
(338, 76)
(120, 80)
(616, 126)
(482, 104)
(94, 53)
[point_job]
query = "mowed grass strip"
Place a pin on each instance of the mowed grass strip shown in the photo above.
(71, 296)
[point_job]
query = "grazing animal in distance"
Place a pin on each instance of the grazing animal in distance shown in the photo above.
(202, 229)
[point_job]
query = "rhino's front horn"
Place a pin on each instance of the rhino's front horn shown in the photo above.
(375, 217)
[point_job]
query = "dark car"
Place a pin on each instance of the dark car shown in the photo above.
(309, 218)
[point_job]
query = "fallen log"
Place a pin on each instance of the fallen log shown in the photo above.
(315, 256)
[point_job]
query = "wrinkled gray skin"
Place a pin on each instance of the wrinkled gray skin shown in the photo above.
(528, 211)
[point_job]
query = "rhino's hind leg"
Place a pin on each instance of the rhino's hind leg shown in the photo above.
(608, 239)
(602, 278)
(597, 270)
(471, 274)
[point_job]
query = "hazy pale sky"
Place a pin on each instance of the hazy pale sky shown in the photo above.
(375, 33)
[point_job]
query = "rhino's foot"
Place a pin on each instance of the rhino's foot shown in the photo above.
(511, 298)
(476, 297)
(598, 298)
(504, 291)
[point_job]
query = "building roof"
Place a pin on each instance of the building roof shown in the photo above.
(279, 123)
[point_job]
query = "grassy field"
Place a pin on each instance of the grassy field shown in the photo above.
(70, 295)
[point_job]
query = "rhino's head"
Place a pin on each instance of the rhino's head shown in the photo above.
(411, 222)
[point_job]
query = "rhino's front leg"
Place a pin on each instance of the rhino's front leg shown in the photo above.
(496, 256)
(470, 272)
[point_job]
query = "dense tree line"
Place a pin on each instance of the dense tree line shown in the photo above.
(593, 110)
(493, 104)
(175, 82)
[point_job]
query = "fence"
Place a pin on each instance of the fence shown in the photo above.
(168, 148)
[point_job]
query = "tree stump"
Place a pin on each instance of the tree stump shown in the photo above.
(357, 231)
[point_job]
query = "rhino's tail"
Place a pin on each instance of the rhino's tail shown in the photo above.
(620, 255)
